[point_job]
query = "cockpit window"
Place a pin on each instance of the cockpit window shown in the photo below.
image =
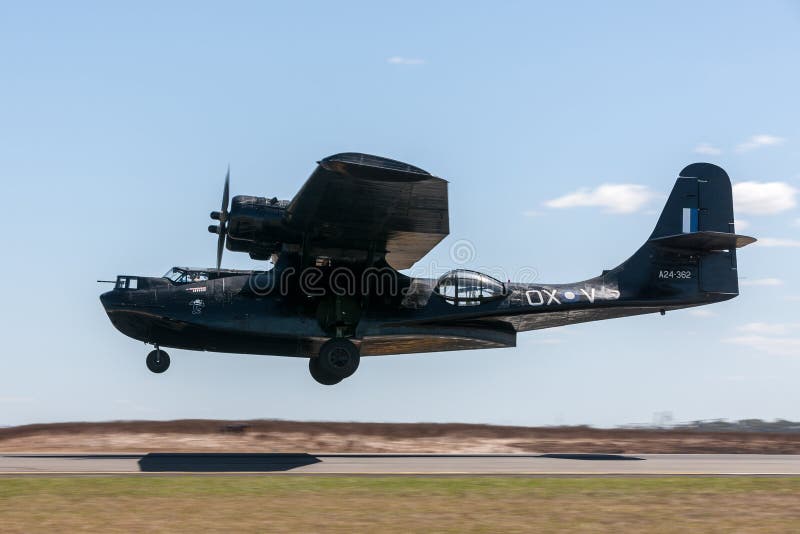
(181, 276)
(175, 274)
(469, 288)
(196, 276)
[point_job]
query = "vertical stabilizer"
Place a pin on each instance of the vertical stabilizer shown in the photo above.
(698, 218)
(691, 254)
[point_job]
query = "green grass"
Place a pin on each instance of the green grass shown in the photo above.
(395, 504)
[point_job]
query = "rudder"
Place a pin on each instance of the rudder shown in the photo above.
(698, 218)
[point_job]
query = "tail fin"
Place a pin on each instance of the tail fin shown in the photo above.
(698, 218)
(692, 251)
(701, 201)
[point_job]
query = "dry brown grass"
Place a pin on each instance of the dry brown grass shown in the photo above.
(292, 436)
(398, 504)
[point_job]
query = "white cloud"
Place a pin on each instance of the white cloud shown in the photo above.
(707, 149)
(762, 282)
(775, 329)
(777, 242)
(16, 400)
(758, 141)
(615, 198)
(741, 224)
(772, 338)
(781, 346)
(400, 60)
(734, 378)
(702, 313)
(763, 198)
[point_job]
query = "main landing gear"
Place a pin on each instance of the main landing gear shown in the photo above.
(338, 359)
(158, 361)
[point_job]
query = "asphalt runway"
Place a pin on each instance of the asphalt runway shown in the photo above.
(397, 464)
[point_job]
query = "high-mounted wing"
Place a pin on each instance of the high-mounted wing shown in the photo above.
(357, 204)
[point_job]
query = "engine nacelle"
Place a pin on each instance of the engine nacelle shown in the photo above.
(255, 225)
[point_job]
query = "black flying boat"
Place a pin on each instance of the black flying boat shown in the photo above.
(335, 292)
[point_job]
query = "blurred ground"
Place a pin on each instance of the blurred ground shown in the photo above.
(398, 504)
(321, 437)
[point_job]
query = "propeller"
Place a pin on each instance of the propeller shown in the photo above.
(222, 217)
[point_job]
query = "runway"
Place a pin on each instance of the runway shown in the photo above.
(402, 464)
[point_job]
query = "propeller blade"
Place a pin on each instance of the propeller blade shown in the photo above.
(224, 211)
(220, 244)
(222, 217)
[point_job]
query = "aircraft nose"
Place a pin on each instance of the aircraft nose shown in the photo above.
(107, 299)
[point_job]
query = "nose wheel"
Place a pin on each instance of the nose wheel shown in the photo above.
(158, 361)
(338, 359)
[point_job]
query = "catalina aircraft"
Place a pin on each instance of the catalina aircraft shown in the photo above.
(335, 292)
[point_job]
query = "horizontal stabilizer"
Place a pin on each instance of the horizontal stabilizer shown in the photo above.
(704, 241)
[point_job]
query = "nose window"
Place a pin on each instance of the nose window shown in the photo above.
(469, 288)
(127, 282)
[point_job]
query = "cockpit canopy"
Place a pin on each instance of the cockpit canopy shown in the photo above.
(469, 288)
(179, 275)
(190, 275)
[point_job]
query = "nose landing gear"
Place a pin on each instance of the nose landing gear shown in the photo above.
(338, 359)
(158, 361)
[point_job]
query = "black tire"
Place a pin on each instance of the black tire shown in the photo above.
(339, 358)
(158, 361)
(319, 375)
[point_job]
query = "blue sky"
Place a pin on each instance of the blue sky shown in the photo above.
(117, 123)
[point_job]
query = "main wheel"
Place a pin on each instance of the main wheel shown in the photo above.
(319, 375)
(158, 361)
(339, 358)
